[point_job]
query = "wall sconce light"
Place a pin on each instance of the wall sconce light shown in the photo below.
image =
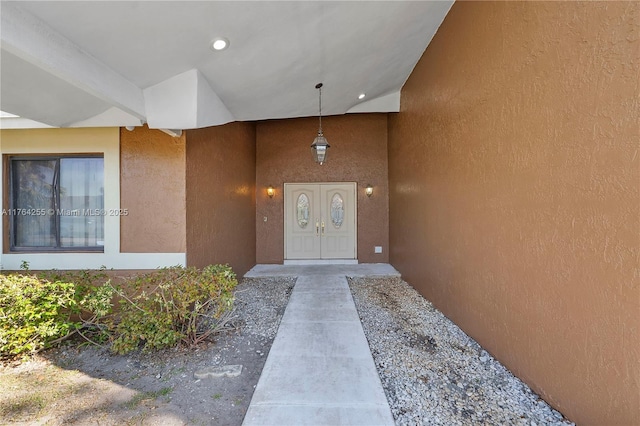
(369, 190)
(270, 191)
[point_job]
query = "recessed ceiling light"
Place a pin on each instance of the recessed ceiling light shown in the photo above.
(219, 43)
(361, 96)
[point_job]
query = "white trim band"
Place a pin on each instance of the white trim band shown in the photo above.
(74, 261)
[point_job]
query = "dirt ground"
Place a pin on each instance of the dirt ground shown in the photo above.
(89, 385)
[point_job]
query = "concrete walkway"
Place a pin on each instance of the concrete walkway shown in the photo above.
(319, 370)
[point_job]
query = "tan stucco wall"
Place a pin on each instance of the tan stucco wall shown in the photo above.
(152, 189)
(51, 141)
(358, 154)
(221, 171)
(514, 176)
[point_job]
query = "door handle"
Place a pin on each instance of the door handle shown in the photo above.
(323, 227)
(317, 228)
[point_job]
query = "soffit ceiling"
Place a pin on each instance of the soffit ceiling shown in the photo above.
(120, 63)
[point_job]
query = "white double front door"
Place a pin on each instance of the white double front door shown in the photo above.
(320, 220)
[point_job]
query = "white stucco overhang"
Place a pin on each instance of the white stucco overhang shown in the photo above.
(124, 63)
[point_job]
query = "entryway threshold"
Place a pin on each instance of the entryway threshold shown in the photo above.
(359, 270)
(319, 370)
(321, 262)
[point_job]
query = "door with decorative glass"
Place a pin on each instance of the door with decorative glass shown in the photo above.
(320, 221)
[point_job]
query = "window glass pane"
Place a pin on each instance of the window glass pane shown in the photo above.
(81, 202)
(33, 190)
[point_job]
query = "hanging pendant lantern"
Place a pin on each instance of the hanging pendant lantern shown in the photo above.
(320, 146)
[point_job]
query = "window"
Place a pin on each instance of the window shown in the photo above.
(57, 203)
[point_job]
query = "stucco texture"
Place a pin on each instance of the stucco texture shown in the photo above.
(221, 176)
(152, 190)
(514, 193)
(358, 154)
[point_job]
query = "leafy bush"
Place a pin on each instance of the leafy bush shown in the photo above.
(157, 310)
(94, 292)
(39, 311)
(173, 305)
(33, 313)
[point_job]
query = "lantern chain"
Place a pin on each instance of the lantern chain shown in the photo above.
(319, 87)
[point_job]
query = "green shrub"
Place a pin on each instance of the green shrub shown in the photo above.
(33, 313)
(94, 294)
(84, 281)
(157, 310)
(38, 311)
(173, 305)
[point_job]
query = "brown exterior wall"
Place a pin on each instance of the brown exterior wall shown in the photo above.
(514, 193)
(358, 153)
(152, 189)
(221, 176)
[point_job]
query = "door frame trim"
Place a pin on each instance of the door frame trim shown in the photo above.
(353, 261)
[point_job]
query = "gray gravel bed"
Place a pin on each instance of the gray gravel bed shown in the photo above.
(431, 371)
(261, 302)
(258, 308)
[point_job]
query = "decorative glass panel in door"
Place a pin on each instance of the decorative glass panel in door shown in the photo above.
(337, 210)
(303, 210)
